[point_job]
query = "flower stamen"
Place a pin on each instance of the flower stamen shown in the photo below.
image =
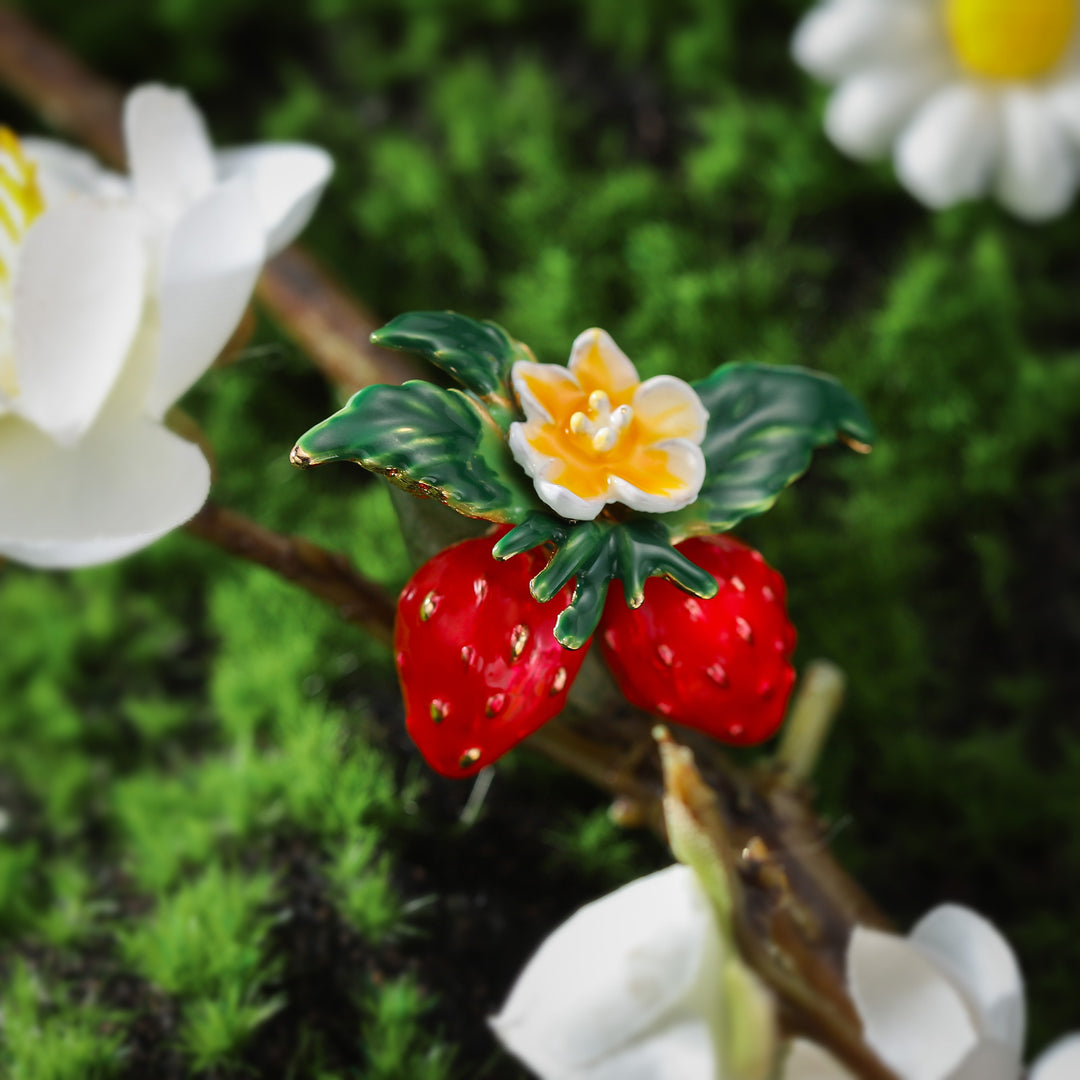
(21, 201)
(602, 425)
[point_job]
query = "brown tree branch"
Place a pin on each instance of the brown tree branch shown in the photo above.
(322, 573)
(332, 328)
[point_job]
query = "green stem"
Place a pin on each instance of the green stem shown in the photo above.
(818, 698)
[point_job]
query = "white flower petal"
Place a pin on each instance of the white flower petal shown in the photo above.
(619, 975)
(1060, 1062)
(287, 178)
(598, 363)
(563, 501)
(64, 171)
(669, 408)
(170, 158)
(684, 1050)
(539, 386)
(969, 949)
(912, 1015)
(808, 1061)
(1064, 99)
(77, 303)
(685, 460)
(210, 265)
(123, 486)
(947, 153)
(990, 1061)
(840, 37)
(566, 504)
(1038, 173)
(868, 110)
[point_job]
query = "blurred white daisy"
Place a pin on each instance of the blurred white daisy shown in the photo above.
(972, 96)
(116, 294)
(944, 1003)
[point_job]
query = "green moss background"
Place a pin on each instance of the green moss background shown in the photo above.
(202, 771)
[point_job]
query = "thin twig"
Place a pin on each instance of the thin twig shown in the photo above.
(59, 88)
(322, 573)
(332, 328)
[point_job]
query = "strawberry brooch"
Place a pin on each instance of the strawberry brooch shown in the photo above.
(609, 493)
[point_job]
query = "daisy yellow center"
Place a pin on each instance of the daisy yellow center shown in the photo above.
(1010, 39)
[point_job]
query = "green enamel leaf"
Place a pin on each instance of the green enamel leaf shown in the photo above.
(429, 441)
(479, 355)
(593, 554)
(764, 424)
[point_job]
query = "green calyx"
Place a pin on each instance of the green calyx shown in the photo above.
(594, 554)
(764, 424)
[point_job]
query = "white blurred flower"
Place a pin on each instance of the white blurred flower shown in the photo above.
(116, 294)
(944, 1003)
(640, 985)
(972, 96)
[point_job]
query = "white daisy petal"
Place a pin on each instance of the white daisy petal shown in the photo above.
(211, 262)
(77, 302)
(868, 110)
(64, 172)
(287, 178)
(1060, 1062)
(947, 153)
(606, 997)
(969, 949)
(840, 37)
(170, 157)
(1064, 99)
(1038, 173)
(808, 1061)
(123, 486)
(898, 992)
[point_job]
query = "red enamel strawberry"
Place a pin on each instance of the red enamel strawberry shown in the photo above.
(720, 665)
(479, 665)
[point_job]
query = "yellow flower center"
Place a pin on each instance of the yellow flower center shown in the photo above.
(1010, 39)
(601, 426)
(20, 203)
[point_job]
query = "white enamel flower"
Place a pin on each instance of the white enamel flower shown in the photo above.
(944, 1003)
(116, 294)
(595, 434)
(635, 986)
(972, 96)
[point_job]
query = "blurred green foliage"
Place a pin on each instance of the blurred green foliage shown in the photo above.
(658, 169)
